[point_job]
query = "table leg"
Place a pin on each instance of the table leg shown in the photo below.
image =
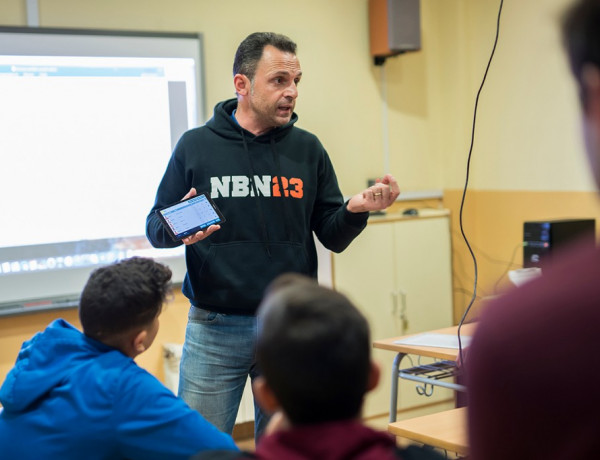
(394, 392)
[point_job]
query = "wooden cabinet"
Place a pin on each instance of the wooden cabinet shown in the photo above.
(398, 272)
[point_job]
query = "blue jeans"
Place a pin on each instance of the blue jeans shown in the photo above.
(218, 355)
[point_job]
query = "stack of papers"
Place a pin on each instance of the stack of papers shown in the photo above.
(436, 340)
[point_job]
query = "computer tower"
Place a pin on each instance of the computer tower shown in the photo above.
(542, 239)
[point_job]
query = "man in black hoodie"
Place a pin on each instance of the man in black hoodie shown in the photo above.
(275, 184)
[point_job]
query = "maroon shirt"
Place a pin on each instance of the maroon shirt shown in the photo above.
(328, 441)
(533, 371)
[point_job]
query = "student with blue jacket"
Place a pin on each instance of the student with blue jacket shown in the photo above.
(74, 395)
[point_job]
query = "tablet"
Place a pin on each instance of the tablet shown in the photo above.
(189, 216)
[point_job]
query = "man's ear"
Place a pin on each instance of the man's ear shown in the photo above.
(241, 84)
(264, 395)
(138, 343)
(590, 80)
(374, 374)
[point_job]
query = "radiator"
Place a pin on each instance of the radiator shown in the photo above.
(246, 410)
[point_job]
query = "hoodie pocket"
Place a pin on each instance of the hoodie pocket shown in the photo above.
(235, 275)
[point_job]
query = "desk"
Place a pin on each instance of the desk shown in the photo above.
(401, 350)
(446, 430)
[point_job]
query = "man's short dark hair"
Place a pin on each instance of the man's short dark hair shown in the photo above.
(251, 49)
(123, 296)
(313, 350)
(581, 35)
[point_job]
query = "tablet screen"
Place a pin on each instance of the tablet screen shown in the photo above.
(189, 216)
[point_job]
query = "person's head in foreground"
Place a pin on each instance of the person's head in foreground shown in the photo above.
(120, 303)
(313, 351)
(581, 34)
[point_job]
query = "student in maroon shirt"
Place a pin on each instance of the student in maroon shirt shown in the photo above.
(532, 371)
(314, 353)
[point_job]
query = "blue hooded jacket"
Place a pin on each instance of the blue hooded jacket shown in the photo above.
(72, 397)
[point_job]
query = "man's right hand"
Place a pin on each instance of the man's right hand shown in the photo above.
(198, 236)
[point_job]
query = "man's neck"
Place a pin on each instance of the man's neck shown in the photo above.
(249, 124)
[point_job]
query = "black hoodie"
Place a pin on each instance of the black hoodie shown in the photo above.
(269, 227)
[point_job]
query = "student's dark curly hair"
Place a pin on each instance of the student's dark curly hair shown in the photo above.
(123, 296)
(250, 51)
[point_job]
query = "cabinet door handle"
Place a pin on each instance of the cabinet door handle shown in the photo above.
(399, 296)
(403, 315)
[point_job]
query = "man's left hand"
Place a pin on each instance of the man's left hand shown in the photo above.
(377, 197)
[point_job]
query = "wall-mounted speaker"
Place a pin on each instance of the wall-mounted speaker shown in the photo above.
(394, 28)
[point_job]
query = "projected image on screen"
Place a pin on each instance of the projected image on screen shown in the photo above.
(85, 142)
